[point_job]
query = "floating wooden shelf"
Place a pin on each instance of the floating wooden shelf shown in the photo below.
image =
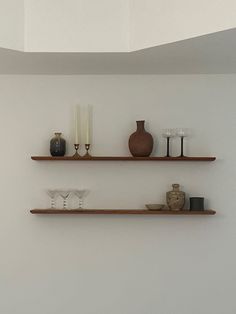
(120, 158)
(119, 212)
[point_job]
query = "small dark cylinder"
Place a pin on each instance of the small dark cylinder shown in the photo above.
(196, 203)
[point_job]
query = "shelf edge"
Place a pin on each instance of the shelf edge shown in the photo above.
(122, 158)
(119, 212)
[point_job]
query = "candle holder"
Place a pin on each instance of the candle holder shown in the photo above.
(182, 133)
(168, 134)
(87, 147)
(76, 155)
(182, 147)
(167, 146)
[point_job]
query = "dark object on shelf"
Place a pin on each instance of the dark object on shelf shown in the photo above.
(196, 203)
(168, 134)
(167, 146)
(175, 199)
(122, 158)
(182, 147)
(182, 133)
(119, 212)
(57, 145)
(141, 142)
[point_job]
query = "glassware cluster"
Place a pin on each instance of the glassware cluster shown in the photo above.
(171, 133)
(65, 195)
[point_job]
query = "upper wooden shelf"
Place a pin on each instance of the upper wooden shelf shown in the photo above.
(120, 158)
(119, 212)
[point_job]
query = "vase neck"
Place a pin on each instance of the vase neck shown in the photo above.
(57, 134)
(175, 187)
(140, 126)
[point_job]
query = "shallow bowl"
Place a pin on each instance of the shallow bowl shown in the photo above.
(156, 206)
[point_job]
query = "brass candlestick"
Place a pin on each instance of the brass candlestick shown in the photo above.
(76, 155)
(87, 147)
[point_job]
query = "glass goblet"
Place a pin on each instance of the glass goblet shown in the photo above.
(65, 195)
(81, 195)
(168, 133)
(53, 194)
(182, 133)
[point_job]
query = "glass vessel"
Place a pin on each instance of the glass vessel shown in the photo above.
(182, 133)
(57, 145)
(65, 196)
(168, 133)
(81, 195)
(53, 195)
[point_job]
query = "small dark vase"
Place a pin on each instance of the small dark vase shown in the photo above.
(141, 142)
(57, 145)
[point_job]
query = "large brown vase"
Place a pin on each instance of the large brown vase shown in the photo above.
(141, 142)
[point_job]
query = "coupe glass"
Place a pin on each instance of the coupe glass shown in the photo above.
(168, 133)
(81, 195)
(182, 133)
(65, 195)
(53, 194)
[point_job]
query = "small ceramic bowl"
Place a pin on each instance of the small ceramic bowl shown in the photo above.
(156, 206)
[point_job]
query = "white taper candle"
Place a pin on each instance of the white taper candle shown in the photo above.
(88, 125)
(77, 124)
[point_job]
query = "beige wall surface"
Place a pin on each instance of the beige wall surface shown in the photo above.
(117, 265)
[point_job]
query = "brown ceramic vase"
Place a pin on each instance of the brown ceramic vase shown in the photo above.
(141, 142)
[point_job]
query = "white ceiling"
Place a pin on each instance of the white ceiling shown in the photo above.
(104, 26)
(214, 53)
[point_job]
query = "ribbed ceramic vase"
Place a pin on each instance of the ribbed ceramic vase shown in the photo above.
(141, 142)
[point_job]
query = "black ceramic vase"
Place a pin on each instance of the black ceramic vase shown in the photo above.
(141, 142)
(57, 145)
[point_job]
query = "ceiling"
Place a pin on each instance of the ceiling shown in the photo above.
(209, 54)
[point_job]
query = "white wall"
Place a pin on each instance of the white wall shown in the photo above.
(154, 23)
(72, 25)
(12, 24)
(114, 265)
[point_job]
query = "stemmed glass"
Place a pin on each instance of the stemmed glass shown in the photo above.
(168, 133)
(182, 133)
(81, 195)
(65, 195)
(53, 194)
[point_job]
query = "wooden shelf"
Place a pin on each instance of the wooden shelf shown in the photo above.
(119, 212)
(120, 158)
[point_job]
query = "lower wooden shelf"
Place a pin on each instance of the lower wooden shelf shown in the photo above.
(119, 212)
